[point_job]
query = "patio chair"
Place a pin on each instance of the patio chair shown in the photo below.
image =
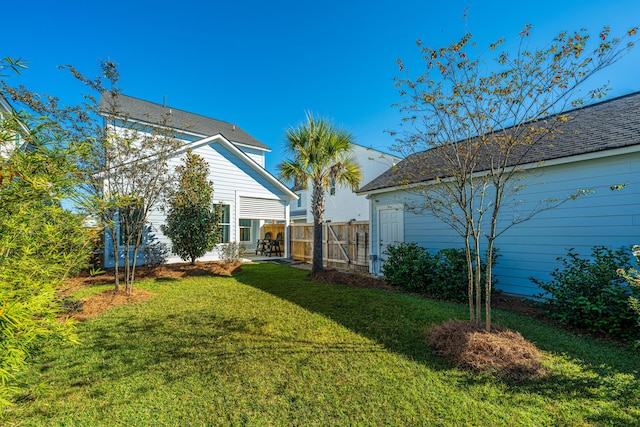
(274, 246)
(263, 245)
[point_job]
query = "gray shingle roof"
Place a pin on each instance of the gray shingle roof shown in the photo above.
(606, 125)
(149, 112)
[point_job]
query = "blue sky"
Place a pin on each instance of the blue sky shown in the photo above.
(262, 64)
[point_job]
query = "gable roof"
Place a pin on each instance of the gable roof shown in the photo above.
(152, 113)
(614, 123)
(246, 159)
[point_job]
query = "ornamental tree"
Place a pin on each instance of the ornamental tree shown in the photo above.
(192, 224)
(123, 167)
(321, 155)
(470, 123)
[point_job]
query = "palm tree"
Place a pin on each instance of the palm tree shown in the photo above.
(320, 156)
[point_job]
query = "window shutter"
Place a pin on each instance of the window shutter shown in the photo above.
(256, 208)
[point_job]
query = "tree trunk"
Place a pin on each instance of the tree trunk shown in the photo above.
(116, 260)
(470, 276)
(488, 285)
(317, 262)
(478, 280)
(317, 208)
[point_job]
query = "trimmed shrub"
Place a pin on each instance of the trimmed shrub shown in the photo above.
(407, 266)
(232, 252)
(589, 293)
(443, 275)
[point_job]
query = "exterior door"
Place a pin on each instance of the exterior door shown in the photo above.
(390, 232)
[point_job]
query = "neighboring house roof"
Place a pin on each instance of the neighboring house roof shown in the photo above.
(149, 112)
(606, 125)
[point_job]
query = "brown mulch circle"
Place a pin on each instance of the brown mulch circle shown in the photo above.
(99, 303)
(96, 304)
(502, 352)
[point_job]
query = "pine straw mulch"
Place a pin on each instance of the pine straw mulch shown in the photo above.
(502, 352)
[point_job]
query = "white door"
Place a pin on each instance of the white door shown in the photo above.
(390, 231)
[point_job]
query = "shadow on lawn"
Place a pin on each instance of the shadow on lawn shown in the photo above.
(199, 343)
(400, 323)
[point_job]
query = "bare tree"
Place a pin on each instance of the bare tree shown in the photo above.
(481, 122)
(124, 167)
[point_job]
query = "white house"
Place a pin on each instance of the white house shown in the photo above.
(599, 149)
(341, 203)
(9, 141)
(250, 194)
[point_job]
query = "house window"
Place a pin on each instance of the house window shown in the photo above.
(245, 230)
(332, 188)
(299, 200)
(225, 223)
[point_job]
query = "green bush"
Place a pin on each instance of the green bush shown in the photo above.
(451, 279)
(589, 293)
(192, 224)
(407, 266)
(40, 244)
(632, 276)
(443, 275)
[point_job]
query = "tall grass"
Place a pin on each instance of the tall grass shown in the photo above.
(269, 347)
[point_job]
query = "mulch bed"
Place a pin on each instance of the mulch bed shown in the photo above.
(96, 304)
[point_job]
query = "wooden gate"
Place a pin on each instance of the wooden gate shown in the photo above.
(345, 245)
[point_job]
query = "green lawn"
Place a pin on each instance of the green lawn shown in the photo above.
(268, 347)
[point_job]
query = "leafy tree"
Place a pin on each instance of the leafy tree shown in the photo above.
(192, 224)
(321, 157)
(479, 121)
(40, 242)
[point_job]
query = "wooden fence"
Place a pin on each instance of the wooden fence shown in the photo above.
(345, 245)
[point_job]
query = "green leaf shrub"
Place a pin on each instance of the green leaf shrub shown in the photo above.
(407, 266)
(40, 244)
(589, 293)
(450, 275)
(632, 276)
(443, 275)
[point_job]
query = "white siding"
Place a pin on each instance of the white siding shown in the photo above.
(253, 153)
(232, 179)
(345, 204)
(606, 217)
